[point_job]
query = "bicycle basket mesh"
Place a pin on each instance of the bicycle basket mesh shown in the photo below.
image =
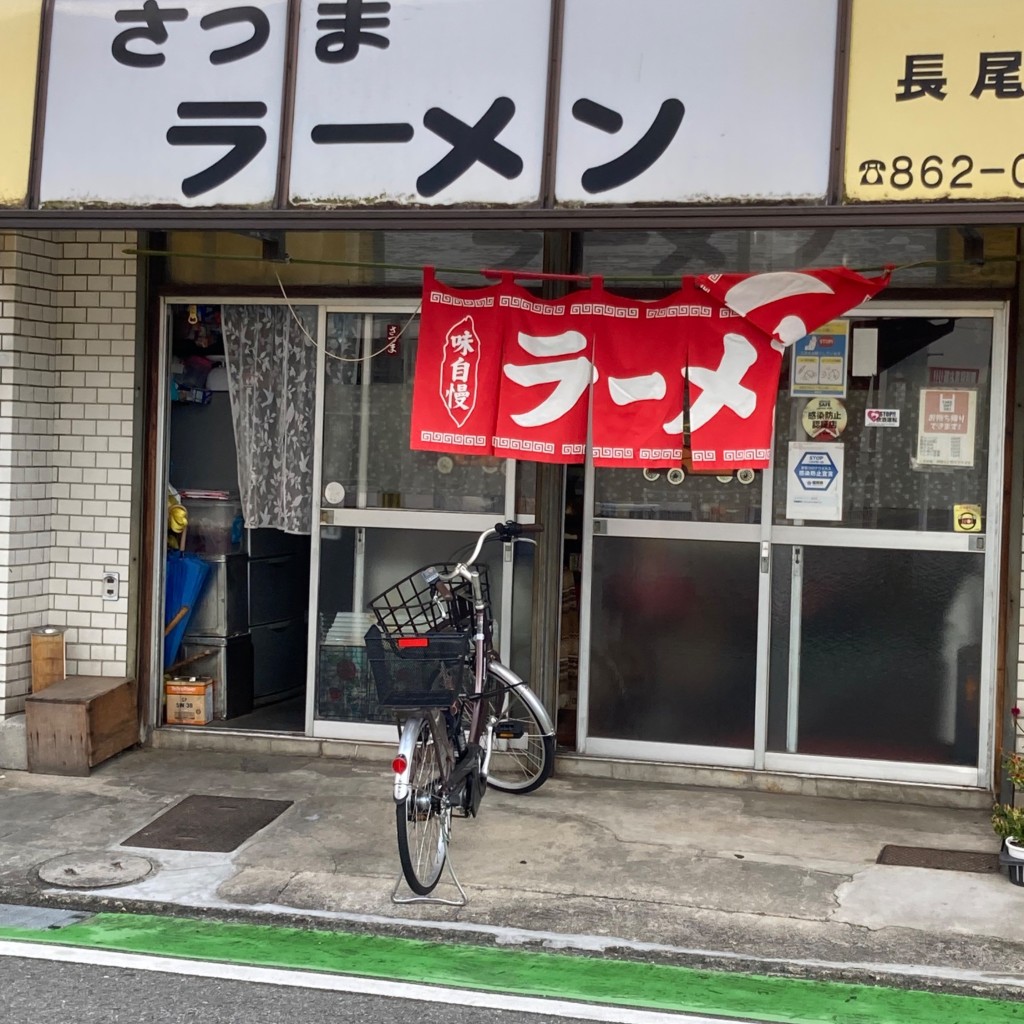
(418, 670)
(415, 605)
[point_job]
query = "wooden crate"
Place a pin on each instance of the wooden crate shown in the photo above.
(79, 722)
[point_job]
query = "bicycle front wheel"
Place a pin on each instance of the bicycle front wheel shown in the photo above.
(522, 757)
(424, 818)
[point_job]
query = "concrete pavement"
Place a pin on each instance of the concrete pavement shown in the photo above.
(756, 881)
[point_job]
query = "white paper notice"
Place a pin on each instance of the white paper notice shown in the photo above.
(814, 481)
(865, 352)
(945, 431)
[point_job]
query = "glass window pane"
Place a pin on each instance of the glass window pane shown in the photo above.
(673, 649)
(673, 494)
(673, 252)
(906, 477)
(890, 654)
(367, 459)
(344, 686)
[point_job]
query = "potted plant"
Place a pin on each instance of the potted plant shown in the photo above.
(1008, 819)
(1008, 822)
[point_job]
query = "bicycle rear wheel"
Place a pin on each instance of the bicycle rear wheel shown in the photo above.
(522, 759)
(424, 818)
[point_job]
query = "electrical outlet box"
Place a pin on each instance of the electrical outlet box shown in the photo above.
(111, 586)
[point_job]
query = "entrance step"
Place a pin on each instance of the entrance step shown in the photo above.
(579, 766)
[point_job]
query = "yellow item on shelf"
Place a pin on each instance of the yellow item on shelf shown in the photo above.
(177, 519)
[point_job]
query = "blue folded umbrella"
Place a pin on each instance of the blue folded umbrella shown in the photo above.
(186, 576)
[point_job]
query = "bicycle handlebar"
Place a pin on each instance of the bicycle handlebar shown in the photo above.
(506, 532)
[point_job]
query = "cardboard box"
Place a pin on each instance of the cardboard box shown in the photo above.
(189, 701)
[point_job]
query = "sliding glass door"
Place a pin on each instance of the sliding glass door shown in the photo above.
(838, 615)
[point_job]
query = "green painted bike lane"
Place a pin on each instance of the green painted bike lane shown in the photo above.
(562, 976)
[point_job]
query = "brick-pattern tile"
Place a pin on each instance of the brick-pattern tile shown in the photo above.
(67, 343)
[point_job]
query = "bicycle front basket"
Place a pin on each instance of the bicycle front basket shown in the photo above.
(418, 670)
(415, 605)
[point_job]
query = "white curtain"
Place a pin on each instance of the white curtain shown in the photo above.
(271, 367)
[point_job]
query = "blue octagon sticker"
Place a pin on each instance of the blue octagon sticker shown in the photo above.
(816, 471)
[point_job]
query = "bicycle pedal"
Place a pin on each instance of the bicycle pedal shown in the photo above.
(509, 730)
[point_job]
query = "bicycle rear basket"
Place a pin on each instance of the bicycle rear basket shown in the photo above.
(415, 605)
(418, 670)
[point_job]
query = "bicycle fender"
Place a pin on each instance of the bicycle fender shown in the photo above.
(507, 676)
(406, 746)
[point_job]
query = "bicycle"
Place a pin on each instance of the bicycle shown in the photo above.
(466, 721)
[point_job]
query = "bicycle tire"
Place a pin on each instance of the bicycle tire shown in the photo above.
(517, 765)
(424, 817)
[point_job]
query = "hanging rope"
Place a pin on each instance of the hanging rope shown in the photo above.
(331, 355)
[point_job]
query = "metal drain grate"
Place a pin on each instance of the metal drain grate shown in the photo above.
(943, 860)
(208, 824)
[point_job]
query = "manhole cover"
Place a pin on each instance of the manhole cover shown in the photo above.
(944, 860)
(94, 870)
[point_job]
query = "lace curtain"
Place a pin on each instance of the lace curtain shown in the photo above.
(271, 369)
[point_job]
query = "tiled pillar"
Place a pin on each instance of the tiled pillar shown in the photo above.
(93, 409)
(67, 350)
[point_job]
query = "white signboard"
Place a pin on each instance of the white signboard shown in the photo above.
(170, 103)
(437, 102)
(814, 481)
(691, 102)
(945, 428)
(420, 102)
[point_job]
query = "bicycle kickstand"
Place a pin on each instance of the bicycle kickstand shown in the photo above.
(461, 902)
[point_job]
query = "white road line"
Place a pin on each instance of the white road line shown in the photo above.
(349, 984)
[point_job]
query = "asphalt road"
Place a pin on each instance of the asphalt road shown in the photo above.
(48, 992)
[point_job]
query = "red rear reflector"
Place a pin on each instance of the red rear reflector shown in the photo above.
(413, 641)
(399, 765)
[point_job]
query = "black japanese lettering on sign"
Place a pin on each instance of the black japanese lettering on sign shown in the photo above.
(234, 16)
(998, 74)
(638, 158)
(153, 30)
(245, 141)
(347, 27)
(922, 76)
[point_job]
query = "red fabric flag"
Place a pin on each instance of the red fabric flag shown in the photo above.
(458, 363)
(500, 372)
(788, 304)
(546, 375)
(640, 353)
(734, 365)
(733, 380)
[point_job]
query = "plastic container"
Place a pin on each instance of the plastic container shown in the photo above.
(1014, 867)
(215, 526)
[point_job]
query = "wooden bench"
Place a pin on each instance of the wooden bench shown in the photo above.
(80, 721)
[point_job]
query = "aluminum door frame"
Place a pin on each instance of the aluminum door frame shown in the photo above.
(767, 534)
(927, 540)
(681, 753)
(362, 518)
(162, 466)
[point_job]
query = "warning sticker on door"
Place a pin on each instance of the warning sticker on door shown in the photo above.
(881, 417)
(967, 518)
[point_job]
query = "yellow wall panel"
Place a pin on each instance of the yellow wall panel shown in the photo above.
(19, 53)
(935, 108)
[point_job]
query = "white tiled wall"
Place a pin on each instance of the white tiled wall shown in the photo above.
(67, 330)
